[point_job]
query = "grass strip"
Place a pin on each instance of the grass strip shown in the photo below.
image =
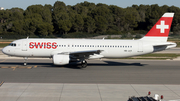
(3, 44)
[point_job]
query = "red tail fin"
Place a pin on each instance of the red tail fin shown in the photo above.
(161, 28)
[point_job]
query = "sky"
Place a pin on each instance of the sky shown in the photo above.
(8, 4)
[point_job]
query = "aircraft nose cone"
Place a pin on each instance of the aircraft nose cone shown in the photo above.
(4, 50)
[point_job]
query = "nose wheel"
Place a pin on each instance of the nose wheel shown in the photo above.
(25, 61)
(84, 64)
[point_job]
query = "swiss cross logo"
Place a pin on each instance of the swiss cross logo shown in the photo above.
(162, 27)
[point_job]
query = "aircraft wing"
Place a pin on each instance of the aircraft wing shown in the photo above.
(87, 54)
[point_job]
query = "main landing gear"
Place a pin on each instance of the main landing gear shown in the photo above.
(25, 59)
(83, 64)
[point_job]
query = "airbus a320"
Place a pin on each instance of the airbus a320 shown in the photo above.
(64, 51)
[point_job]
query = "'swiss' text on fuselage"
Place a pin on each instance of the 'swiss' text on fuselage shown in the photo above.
(43, 45)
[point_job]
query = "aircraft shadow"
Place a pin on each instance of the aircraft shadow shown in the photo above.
(71, 65)
(112, 63)
(21, 63)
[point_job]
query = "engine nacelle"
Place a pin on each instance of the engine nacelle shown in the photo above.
(61, 59)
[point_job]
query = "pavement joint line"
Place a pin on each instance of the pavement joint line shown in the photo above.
(1, 83)
(23, 91)
(99, 92)
(61, 92)
(135, 90)
(171, 90)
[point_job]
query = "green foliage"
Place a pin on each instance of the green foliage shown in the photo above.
(82, 20)
(78, 23)
(89, 25)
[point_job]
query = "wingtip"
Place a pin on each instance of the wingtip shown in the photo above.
(168, 15)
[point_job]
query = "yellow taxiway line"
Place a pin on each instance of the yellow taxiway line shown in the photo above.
(4, 67)
(35, 66)
(14, 67)
(1, 83)
(3, 60)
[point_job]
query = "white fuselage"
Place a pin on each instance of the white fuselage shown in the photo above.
(49, 47)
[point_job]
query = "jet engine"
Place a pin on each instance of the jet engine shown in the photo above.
(61, 59)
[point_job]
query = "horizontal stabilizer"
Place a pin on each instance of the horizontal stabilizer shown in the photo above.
(164, 44)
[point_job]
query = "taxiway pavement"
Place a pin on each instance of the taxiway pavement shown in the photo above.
(106, 71)
(106, 80)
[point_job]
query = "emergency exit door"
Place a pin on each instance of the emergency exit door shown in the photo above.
(24, 45)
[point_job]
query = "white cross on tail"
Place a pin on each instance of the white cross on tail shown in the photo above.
(162, 27)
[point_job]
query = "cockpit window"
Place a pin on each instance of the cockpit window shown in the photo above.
(12, 44)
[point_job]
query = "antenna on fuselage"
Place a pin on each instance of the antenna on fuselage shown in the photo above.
(27, 37)
(103, 38)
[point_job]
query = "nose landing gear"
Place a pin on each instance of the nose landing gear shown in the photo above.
(25, 59)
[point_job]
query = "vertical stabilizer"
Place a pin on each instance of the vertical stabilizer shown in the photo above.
(160, 31)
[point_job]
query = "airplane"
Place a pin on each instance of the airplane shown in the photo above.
(64, 51)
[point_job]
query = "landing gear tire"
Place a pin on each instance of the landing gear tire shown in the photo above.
(25, 63)
(25, 59)
(84, 64)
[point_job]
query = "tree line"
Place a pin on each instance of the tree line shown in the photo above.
(61, 20)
